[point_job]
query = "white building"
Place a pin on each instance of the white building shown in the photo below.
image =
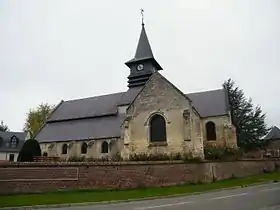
(11, 144)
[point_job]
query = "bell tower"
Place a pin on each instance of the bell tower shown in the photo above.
(143, 64)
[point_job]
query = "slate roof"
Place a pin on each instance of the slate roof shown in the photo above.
(82, 129)
(210, 103)
(97, 117)
(104, 105)
(5, 140)
(273, 134)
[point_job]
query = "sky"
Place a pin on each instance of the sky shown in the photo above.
(66, 49)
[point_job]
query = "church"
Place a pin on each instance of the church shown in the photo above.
(152, 116)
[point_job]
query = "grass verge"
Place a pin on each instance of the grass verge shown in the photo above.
(80, 196)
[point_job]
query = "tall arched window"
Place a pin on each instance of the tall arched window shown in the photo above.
(210, 131)
(1, 141)
(104, 147)
(84, 148)
(64, 149)
(157, 128)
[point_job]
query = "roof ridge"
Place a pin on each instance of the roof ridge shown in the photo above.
(109, 94)
(206, 91)
(12, 132)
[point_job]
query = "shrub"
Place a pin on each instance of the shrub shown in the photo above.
(189, 157)
(176, 156)
(76, 159)
(29, 150)
(164, 157)
(117, 157)
(213, 152)
(221, 153)
(151, 157)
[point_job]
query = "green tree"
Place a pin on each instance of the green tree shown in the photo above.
(37, 117)
(248, 119)
(29, 150)
(3, 127)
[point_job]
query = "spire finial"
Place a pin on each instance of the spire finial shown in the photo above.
(142, 14)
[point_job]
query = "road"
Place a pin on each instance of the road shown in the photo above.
(262, 197)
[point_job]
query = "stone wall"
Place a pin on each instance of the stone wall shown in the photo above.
(54, 149)
(160, 97)
(40, 177)
(225, 132)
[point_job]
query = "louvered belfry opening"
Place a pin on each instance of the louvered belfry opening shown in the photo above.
(157, 129)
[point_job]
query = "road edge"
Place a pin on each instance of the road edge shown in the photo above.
(129, 200)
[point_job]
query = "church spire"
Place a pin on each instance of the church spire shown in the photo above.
(143, 64)
(143, 49)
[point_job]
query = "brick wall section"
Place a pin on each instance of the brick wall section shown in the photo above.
(39, 173)
(120, 175)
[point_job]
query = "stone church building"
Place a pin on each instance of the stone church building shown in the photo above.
(151, 116)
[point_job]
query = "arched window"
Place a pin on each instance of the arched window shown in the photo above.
(157, 128)
(45, 154)
(84, 148)
(104, 147)
(210, 131)
(64, 149)
(1, 141)
(14, 142)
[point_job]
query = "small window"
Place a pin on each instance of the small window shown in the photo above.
(64, 149)
(211, 131)
(84, 148)
(104, 147)
(11, 157)
(14, 142)
(157, 128)
(45, 154)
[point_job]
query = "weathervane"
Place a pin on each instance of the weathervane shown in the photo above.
(142, 14)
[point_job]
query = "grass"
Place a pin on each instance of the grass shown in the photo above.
(79, 196)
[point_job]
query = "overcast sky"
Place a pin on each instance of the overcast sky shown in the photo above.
(54, 49)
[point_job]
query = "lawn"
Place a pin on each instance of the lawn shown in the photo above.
(79, 196)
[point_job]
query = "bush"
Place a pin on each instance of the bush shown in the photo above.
(29, 150)
(163, 157)
(189, 157)
(153, 157)
(221, 153)
(117, 157)
(101, 159)
(76, 159)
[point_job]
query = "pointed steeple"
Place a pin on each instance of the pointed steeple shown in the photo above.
(143, 64)
(143, 50)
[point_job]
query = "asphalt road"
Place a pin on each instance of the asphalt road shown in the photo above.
(262, 197)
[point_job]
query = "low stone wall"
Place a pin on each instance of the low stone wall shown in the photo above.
(41, 177)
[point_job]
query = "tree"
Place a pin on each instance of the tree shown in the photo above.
(37, 117)
(3, 127)
(248, 119)
(29, 150)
